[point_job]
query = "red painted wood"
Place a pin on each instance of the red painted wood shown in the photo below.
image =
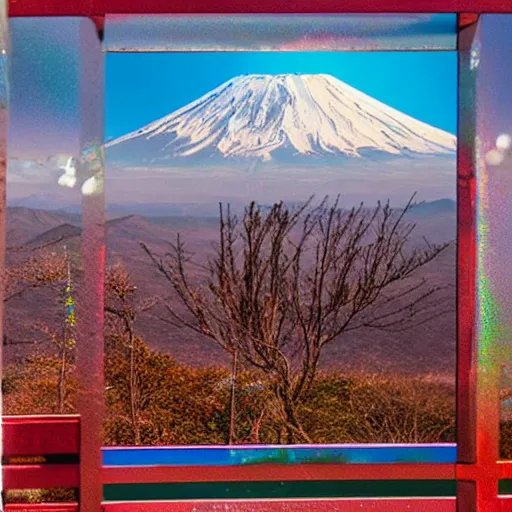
(327, 505)
(340, 505)
(42, 507)
(270, 472)
(465, 19)
(40, 435)
(466, 256)
(505, 470)
(41, 476)
(277, 473)
(475, 472)
(90, 294)
(101, 7)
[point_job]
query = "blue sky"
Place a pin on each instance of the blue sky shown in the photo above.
(143, 87)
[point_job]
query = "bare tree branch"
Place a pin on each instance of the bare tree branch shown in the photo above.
(285, 282)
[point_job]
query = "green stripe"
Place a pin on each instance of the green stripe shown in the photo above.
(256, 490)
(505, 487)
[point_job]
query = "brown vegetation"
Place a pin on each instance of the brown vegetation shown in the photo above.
(182, 405)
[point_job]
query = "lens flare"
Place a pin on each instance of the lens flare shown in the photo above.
(504, 142)
(92, 186)
(494, 157)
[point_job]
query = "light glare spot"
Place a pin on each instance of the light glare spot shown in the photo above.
(504, 142)
(494, 157)
(92, 186)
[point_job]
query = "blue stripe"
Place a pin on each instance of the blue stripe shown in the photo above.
(226, 456)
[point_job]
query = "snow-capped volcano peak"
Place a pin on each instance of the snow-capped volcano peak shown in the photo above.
(262, 116)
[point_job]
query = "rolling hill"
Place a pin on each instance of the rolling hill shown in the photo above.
(429, 349)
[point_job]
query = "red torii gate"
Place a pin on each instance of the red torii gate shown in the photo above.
(101, 7)
(477, 470)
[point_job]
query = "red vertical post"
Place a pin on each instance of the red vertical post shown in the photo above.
(466, 267)
(91, 297)
(485, 78)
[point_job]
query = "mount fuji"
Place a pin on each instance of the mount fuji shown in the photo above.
(280, 119)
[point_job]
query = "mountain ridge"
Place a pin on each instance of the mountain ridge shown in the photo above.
(433, 350)
(153, 211)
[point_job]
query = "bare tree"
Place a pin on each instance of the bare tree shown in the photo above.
(121, 304)
(43, 269)
(65, 344)
(62, 338)
(286, 282)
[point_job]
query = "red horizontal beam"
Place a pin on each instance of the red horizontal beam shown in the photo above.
(304, 505)
(276, 473)
(319, 505)
(40, 435)
(41, 476)
(102, 7)
(41, 507)
(501, 470)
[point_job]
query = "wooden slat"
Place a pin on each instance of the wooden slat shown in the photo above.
(101, 7)
(427, 505)
(41, 476)
(326, 505)
(285, 455)
(505, 470)
(42, 507)
(344, 505)
(318, 505)
(505, 504)
(466, 253)
(473, 472)
(277, 473)
(40, 435)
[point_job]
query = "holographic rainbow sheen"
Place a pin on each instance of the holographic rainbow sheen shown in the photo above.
(271, 33)
(489, 329)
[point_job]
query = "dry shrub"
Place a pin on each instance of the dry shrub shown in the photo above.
(402, 409)
(184, 405)
(33, 387)
(506, 440)
(41, 496)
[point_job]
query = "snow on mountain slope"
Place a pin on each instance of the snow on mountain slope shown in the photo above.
(259, 116)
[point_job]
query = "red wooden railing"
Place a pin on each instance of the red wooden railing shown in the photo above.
(28, 442)
(29, 438)
(41, 438)
(39, 435)
(35, 438)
